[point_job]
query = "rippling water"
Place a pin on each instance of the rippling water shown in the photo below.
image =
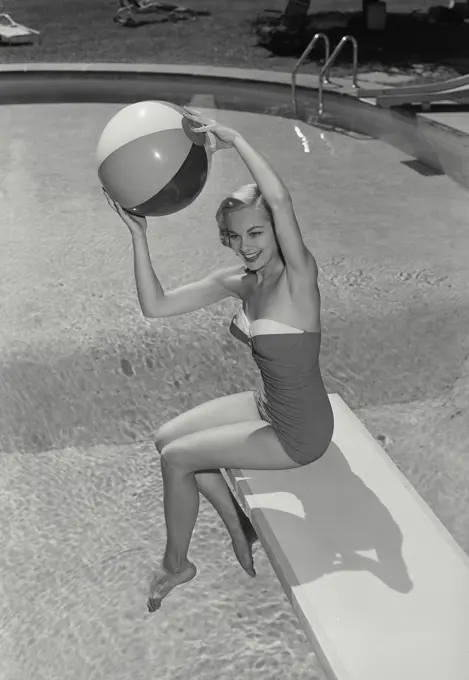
(84, 529)
(86, 382)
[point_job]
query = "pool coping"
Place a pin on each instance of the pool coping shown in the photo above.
(439, 145)
(201, 70)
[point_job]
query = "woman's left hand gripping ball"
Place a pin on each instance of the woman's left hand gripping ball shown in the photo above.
(222, 137)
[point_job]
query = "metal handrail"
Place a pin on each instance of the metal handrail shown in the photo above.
(330, 62)
(301, 60)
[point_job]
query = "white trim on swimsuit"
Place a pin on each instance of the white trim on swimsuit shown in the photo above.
(263, 326)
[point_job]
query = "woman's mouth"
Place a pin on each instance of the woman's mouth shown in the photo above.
(251, 258)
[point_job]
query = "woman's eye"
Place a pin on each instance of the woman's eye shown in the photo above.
(254, 233)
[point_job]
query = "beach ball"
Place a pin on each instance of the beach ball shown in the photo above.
(150, 161)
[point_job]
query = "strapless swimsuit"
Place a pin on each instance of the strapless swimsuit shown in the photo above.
(292, 398)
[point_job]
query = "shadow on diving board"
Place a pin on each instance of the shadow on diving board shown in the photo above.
(377, 582)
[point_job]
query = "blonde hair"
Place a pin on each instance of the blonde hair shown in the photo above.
(247, 196)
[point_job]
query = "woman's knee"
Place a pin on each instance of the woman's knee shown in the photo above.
(170, 431)
(161, 439)
(172, 456)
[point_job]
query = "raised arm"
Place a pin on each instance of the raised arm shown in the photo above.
(156, 303)
(297, 257)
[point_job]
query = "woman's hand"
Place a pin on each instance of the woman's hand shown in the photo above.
(137, 225)
(224, 136)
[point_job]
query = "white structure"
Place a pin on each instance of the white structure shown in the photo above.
(378, 583)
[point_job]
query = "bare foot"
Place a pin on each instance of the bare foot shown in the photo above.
(242, 547)
(164, 581)
(249, 532)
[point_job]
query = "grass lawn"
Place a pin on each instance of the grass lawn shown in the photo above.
(84, 31)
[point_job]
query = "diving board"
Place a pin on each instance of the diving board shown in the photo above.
(379, 585)
(458, 95)
(423, 88)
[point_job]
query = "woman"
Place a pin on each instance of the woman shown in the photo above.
(288, 423)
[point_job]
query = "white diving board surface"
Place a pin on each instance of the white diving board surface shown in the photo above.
(379, 585)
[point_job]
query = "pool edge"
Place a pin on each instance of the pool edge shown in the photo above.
(442, 148)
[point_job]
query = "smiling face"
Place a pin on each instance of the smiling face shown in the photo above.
(251, 236)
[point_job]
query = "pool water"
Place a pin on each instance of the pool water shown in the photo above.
(86, 381)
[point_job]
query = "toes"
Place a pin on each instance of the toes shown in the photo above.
(153, 604)
(163, 583)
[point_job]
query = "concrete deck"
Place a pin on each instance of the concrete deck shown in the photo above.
(455, 120)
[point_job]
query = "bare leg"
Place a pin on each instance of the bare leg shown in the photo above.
(212, 485)
(245, 445)
(181, 507)
(176, 568)
(230, 409)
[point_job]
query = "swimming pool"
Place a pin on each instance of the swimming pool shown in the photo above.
(86, 381)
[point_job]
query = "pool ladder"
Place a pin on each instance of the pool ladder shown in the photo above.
(328, 63)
